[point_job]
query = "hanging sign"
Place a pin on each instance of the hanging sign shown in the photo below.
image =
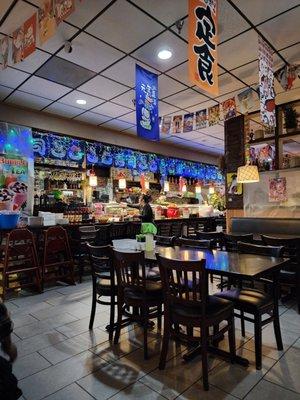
(29, 36)
(18, 44)
(202, 53)
(47, 22)
(166, 125)
(201, 119)
(146, 94)
(188, 121)
(63, 9)
(229, 108)
(213, 115)
(4, 47)
(177, 124)
(266, 83)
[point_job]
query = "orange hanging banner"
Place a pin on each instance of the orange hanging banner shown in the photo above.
(203, 38)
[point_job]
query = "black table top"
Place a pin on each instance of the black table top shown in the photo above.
(257, 236)
(222, 262)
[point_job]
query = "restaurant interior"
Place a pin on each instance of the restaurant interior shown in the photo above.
(149, 199)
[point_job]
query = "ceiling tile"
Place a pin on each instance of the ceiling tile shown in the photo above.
(90, 53)
(103, 88)
(20, 13)
(4, 91)
(292, 54)
(235, 52)
(166, 11)
(117, 125)
(248, 73)
(283, 30)
(131, 118)
(258, 11)
(33, 62)
(181, 73)
(85, 11)
(63, 110)
(203, 105)
(186, 98)
(167, 86)
(63, 33)
(28, 100)
(110, 109)
(112, 26)
(124, 71)
(42, 87)
(166, 109)
(131, 131)
(71, 98)
(148, 53)
(12, 77)
(64, 72)
(92, 118)
(4, 6)
(126, 99)
(228, 83)
(290, 95)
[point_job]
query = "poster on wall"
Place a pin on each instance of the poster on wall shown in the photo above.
(277, 190)
(232, 186)
(166, 125)
(229, 108)
(202, 48)
(188, 120)
(213, 115)
(266, 83)
(47, 22)
(13, 183)
(201, 119)
(29, 36)
(177, 124)
(63, 9)
(246, 100)
(146, 94)
(17, 45)
(4, 47)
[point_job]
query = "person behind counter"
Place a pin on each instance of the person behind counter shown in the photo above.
(146, 213)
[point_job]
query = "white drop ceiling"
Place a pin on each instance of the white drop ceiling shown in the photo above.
(110, 37)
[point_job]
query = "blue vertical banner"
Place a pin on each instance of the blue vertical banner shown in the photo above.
(146, 95)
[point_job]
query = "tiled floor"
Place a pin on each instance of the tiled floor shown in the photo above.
(59, 359)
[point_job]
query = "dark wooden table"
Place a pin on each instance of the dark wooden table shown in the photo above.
(247, 266)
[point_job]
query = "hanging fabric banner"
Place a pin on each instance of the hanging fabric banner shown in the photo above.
(166, 125)
(286, 76)
(203, 38)
(201, 119)
(213, 115)
(4, 45)
(246, 100)
(63, 8)
(266, 83)
(177, 124)
(17, 45)
(146, 94)
(29, 36)
(229, 108)
(188, 120)
(47, 22)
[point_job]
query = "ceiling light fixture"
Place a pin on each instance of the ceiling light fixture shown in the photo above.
(164, 54)
(81, 101)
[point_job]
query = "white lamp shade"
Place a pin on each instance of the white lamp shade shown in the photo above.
(198, 189)
(166, 186)
(184, 188)
(211, 190)
(93, 180)
(247, 174)
(147, 185)
(122, 183)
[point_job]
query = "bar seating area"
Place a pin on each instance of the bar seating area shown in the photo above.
(149, 200)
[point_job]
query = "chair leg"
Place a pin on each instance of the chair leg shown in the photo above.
(215, 332)
(242, 323)
(204, 345)
(93, 310)
(112, 317)
(165, 342)
(38, 281)
(159, 318)
(231, 338)
(211, 278)
(119, 320)
(277, 331)
(258, 340)
(145, 330)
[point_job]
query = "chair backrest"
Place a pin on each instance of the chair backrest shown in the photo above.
(164, 240)
(199, 244)
(118, 230)
(230, 241)
(100, 260)
(103, 235)
(133, 229)
(270, 251)
(130, 270)
(176, 229)
(56, 247)
(291, 246)
(184, 282)
(164, 229)
(216, 237)
(20, 250)
(87, 233)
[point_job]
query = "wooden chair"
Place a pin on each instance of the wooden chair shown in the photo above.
(167, 241)
(118, 230)
(57, 260)
(20, 258)
(230, 241)
(215, 237)
(133, 229)
(256, 302)
(187, 303)
(197, 244)
(134, 290)
(290, 275)
(103, 235)
(103, 278)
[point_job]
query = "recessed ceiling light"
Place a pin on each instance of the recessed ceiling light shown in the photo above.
(81, 101)
(164, 54)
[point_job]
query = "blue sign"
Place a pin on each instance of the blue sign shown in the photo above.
(146, 95)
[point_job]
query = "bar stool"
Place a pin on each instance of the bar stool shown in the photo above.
(57, 260)
(20, 257)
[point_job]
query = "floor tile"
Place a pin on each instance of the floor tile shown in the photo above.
(137, 391)
(72, 392)
(196, 392)
(265, 390)
(286, 371)
(21, 319)
(29, 365)
(290, 320)
(54, 378)
(81, 325)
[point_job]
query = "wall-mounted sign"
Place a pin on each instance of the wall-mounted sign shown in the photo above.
(203, 30)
